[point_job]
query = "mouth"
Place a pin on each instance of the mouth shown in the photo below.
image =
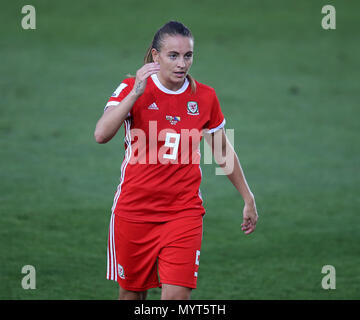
(180, 74)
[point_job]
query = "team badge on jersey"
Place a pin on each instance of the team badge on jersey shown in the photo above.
(192, 108)
(173, 120)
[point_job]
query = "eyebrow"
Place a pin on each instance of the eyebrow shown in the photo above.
(178, 52)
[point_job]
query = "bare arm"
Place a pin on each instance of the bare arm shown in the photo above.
(114, 116)
(226, 157)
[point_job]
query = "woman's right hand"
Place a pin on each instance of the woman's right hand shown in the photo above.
(141, 77)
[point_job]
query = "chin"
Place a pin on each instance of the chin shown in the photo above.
(176, 79)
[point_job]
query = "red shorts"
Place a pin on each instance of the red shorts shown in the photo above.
(140, 251)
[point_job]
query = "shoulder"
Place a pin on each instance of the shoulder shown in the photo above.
(202, 88)
(129, 81)
(126, 85)
(205, 92)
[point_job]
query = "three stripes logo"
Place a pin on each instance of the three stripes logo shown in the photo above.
(153, 106)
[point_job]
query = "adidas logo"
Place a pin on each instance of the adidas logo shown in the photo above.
(153, 106)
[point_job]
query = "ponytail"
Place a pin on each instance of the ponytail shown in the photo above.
(148, 55)
(192, 83)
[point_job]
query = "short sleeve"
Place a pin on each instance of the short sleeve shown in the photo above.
(120, 93)
(217, 119)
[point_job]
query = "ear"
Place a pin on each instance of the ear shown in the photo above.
(155, 55)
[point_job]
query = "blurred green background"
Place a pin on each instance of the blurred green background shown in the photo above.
(289, 88)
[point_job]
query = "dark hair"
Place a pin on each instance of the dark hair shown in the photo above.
(172, 28)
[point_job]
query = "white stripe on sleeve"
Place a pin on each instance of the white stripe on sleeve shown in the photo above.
(113, 103)
(217, 128)
(120, 88)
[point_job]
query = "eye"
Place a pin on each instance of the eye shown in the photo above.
(188, 56)
(172, 56)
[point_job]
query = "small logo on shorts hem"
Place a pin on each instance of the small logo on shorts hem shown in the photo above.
(121, 271)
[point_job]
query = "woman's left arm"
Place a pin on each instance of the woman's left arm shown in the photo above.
(226, 157)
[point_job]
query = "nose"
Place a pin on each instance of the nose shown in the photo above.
(181, 63)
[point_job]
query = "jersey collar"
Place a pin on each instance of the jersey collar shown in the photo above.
(166, 90)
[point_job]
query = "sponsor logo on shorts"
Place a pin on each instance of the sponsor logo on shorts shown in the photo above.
(121, 271)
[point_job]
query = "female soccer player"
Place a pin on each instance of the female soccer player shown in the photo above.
(156, 221)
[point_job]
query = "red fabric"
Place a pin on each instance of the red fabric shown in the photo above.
(161, 174)
(139, 251)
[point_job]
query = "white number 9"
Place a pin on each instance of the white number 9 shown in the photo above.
(174, 145)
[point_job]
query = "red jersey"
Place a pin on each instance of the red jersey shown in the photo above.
(160, 174)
